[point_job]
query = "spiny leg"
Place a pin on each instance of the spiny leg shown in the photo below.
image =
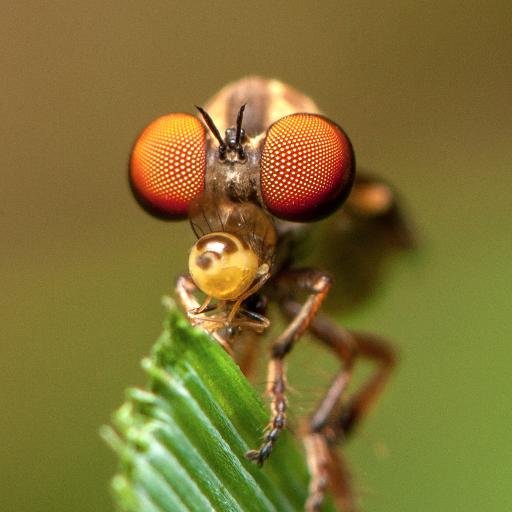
(316, 284)
(329, 423)
(336, 425)
(349, 346)
(325, 465)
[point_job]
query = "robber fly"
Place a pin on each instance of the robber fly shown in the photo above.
(251, 196)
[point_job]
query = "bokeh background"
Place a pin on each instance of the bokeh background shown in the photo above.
(423, 88)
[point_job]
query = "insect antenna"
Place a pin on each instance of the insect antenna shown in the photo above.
(215, 131)
(239, 119)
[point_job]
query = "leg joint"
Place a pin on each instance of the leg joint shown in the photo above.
(322, 283)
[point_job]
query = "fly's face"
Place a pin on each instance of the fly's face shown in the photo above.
(274, 161)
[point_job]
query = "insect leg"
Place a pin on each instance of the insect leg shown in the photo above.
(375, 349)
(185, 288)
(318, 458)
(316, 284)
(333, 420)
(327, 465)
(349, 345)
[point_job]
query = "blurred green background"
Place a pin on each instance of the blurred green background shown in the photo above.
(423, 89)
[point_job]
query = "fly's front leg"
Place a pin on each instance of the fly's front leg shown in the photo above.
(185, 288)
(334, 419)
(316, 284)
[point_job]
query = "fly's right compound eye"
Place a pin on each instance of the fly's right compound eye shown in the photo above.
(222, 266)
(168, 165)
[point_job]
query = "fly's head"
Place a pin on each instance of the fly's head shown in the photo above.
(234, 188)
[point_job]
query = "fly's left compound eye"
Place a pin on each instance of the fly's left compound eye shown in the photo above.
(307, 167)
(168, 165)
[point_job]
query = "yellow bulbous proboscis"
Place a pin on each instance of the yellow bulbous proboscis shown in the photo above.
(222, 265)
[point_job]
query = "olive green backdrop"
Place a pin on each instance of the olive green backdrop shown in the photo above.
(423, 88)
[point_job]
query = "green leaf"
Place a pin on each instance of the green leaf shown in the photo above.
(181, 442)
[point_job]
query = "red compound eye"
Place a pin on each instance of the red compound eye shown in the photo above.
(307, 167)
(168, 165)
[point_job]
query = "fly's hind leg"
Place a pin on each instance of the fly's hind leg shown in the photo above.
(328, 469)
(336, 417)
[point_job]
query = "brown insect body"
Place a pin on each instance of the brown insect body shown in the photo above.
(245, 254)
(267, 101)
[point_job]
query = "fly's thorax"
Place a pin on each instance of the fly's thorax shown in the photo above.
(267, 101)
